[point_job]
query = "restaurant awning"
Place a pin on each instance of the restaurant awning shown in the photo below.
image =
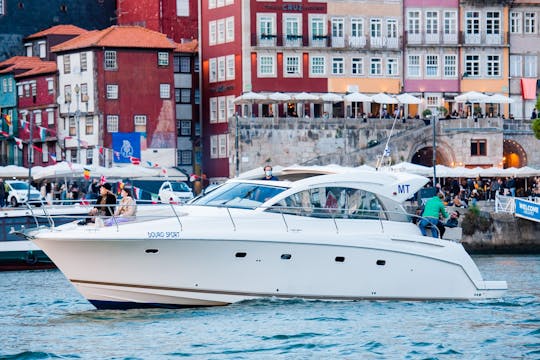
(528, 88)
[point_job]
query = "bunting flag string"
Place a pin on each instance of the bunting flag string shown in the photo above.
(7, 118)
(134, 160)
(137, 192)
(42, 133)
(152, 164)
(18, 142)
(24, 125)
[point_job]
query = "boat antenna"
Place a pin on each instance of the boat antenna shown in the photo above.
(386, 151)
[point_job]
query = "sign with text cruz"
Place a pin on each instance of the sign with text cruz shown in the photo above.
(126, 146)
(528, 210)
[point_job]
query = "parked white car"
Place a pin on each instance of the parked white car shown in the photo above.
(18, 192)
(175, 192)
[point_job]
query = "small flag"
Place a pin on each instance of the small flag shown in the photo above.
(18, 142)
(134, 160)
(4, 133)
(102, 180)
(24, 125)
(119, 186)
(86, 173)
(37, 148)
(164, 171)
(386, 151)
(152, 164)
(101, 150)
(7, 117)
(53, 157)
(155, 198)
(117, 155)
(42, 133)
(137, 192)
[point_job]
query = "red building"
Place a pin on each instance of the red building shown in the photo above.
(175, 18)
(178, 19)
(116, 96)
(36, 109)
(259, 46)
(37, 106)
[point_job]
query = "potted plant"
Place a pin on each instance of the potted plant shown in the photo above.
(426, 116)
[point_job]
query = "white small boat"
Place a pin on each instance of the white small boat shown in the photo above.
(17, 254)
(342, 236)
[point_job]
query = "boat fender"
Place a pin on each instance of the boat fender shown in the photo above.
(31, 258)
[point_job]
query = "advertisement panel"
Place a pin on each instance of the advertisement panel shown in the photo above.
(126, 146)
(528, 210)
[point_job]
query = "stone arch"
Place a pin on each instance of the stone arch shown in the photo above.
(422, 154)
(514, 154)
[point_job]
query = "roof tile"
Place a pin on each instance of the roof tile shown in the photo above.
(58, 30)
(118, 37)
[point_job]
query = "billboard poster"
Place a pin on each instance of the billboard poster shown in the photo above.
(527, 210)
(126, 146)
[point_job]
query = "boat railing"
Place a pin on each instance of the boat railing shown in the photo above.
(148, 211)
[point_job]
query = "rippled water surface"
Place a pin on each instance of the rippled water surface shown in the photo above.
(43, 316)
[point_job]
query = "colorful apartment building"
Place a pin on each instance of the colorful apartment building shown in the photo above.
(27, 102)
(116, 97)
(431, 52)
(484, 51)
(524, 53)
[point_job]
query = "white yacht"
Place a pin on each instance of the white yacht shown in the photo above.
(341, 236)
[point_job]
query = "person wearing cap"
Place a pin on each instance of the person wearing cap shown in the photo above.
(433, 209)
(105, 204)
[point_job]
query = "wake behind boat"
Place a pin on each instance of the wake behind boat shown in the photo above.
(342, 236)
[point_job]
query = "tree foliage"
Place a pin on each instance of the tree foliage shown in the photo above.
(536, 128)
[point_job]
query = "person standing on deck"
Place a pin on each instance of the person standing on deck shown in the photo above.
(433, 209)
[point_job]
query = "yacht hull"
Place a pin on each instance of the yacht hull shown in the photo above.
(197, 271)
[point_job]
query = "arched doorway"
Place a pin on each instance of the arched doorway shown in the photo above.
(513, 154)
(424, 157)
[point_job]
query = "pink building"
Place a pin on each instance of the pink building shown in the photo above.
(431, 52)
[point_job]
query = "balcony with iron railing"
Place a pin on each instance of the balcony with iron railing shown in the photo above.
(322, 41)
(425, 39)
(484, 39)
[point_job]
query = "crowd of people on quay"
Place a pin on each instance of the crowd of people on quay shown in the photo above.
(441, 211)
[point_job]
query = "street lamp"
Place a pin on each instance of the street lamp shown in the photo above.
(434, 118)
(77, 120)
(237, 162)
(30, 148)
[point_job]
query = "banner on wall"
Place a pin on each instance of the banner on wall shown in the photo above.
(126, 146)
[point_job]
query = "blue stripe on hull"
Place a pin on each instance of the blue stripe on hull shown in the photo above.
(126, 305)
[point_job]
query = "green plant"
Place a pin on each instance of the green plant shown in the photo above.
(426, 113)
(536, 128)
(442, 110)
(474, 221)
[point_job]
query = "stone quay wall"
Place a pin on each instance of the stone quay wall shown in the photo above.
(506, 235)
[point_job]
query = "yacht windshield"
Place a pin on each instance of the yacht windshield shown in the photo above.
(241, 195)
(180, 187)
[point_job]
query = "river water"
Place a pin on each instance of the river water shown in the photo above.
(43, 316)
